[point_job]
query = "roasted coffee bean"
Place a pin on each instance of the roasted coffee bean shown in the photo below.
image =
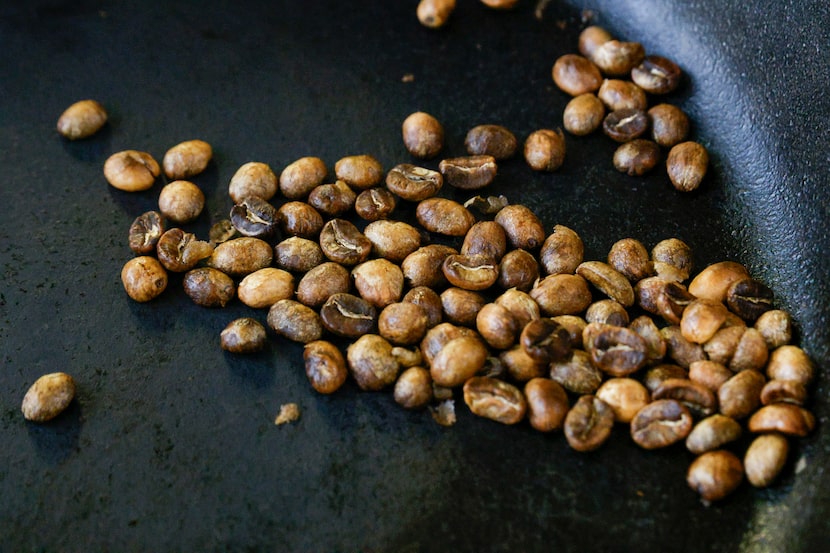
(145, 232)
(523, 228)
(253, 179)
(662, 297)
(617, 58)
(669, 125)
(589, 423)
(699, 399)
(577, 374)
(607, 312)
(590, 38)
(749, 299)
(575, 327)
(131, 170)
(625, 124)
(500, 4)
(332, 200)
(487, 205)
(715, 474)
(402, 323)
(371, 362)
(722, 346)
(423, 266)
(444, 216)
(321, 282)
(562, 251)
(713, 282)
(392, 240)
(497, 326)
(576, 75)
(740, 395)
(495, 399)
(660, 373)
(711, 433)
(48, 397)
(143, 278)
(265, 287)
(679, 349)
(765, 459)
(523, 308)
(348, 315)
(429, 301)
(784, 391)
(439, 336)
(649, 332)
(618, 94)
(790, 363)
(222, 231)
(414, 183)
(374, 203)
(301, 177)
(710, 374)
(297, 254)
(562, 294)
(423, 135)
(607, 280)
(672, 259)
(82, 119)
(786, 418)
(459, 360)
(359, 171)
(618, 351)
(751, 352)
(378, 281)
(180, 251)
(487, 239)
(470, 272)
(470, 172)
(636, 158)
(583, 114)
(776, 328)
(187, 159)
(181, 201)
(299, 219)
(413, 389)
(545, 340)
(255, 217)
(343, 243)
(520, 366)
(625, 396)
(547, 404)
(518, 269)
(244, 335)
(656, 75)
(325, 366)
(434, 14)
(295, 321)
(462, 306)
(241, 256)
(686, 164)
(544, 150)
(701, 319)
(491, 140)
(209, 287)
(661, 423)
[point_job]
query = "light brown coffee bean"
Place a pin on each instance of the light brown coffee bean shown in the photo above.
(371, 362)
(265, 287)
(378, 281)
(637, 157)
(788, 419)
(740, 395)
(562, 251)
(547, 404)
(253, 179)
(444, 216)
(413, 183)
(374, 204)
(131, 170)
(669, 125)
(562, 294)
(576, 75)
(321, 282)
(625, 396)
(300, 177)
(712, 433)
(359, 171)
(487, 239)
(765, 459)
(713, 282)
(776, 328)
(244, 335)
(187, 159)
(662, 297)
(519, 366)
(209, 287)
(661, 423)
(518, 269)
(179, 251)
(241, 256)
(491, 140)
(332, 200)
(544, 150)
(649, 332)
(679, 349)
(523, 228)
(342, 242)
(751, 352)
(784, 391)
(439, 336)
(494, 399)
(48, 397)
(413, 389)
(583, 114)
(715, 474)
(295, 321)
(607, 280)
(607, 312)
(469, 172)
(459, 360)
(423, 266)
(423, 135)
(721, 347)
(181, 201)
(82, 120)
(687, 164)
(143, 278)
(619, 94)
(497, 326)
(790, 363)
(701, 319)
(434, 13)
(710, 374)
(588, 424)
(325, 366)
(655, 376)
(523, 308)
(429, 301)
(402, 323)
(575, 326)
(577, 374)
(672, 259)
(590, 38)
(699, 399)
(617, 58)
(462, 306)
(392, 240)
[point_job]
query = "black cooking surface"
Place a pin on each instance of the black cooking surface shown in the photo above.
(171, 446)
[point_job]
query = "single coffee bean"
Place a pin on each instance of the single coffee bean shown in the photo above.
(374, 204)
(701, 319)
(486, 239)
(209, 287)
(710, 374)
(222, 231)
(788, 419)
(672, 259)
(500, 4)
(298, 255)
(790, 363)
(476, 272)
(145, 232)
(444, 216)
(459, 360)
(143, 278)
(131, 170)
(687, 164)
(371, 362)
(715, 474)
(644, 326)
(749, 299)
(439, 336)
(187, 159)
(625, 396)
(544, 150)
(740, 395)
(583, 114)
(784, 391)
(661, 423)
(491, 140)
(299, 219)
(402, 323)
(295, 321)
(776, 328)
(429, 301)
(588, 424)
(519, 366)
(669, 125)
(658, 374)
(300, 177)
(713, 282)
(325, 366)
(547, 404)
(562, 251)
(423, 135)
(332, 200)
(497, 326)
(625, 124)
(576, 75)
(434, 14)
(765, 459)
(577, 374)
(607, 280)
(712, 433)
(617, 94)
(637, 157)
(562, 294)
(255, 217)
(321, 282)
(545, 340)
(656, 75)
(265, 287)
(751, 352)
(592, 37)
(518, 269)
(241, 256)
(413, 389)
(82, 120)
(48, 397)
(413, 183)
(342, 242)
(253, 179)
(495, 399)
(618, 351)
(348, 315)
(244, 335)
(617, 58)
(699, 399)
(663, 297)
(523, 308)
(607, 312)
(392, 240)
(423, 266)
(679, 349)
(462, 306)
(523, 228)
(575, 326)
(359, 171)
(378, 281)
(722, 346)
(470, 172)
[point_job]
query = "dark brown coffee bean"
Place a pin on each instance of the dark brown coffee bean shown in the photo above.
(392, 240)
(765, 459)
(321, 282)
(625, 396)
(788, 419)
(662, 297)
(740, 395)
(348, 315)
(590, 38)
(519, 366)
(661, 423)
(180, 251)
(497, 326)
(429, 301)
(776, 328)
(378, 281)
(749, 299)
(359, 172)
(699, 399)
(423, 266)
(374, 204)
(715, 474)
(710, 374)
(495, 399)
(701, 319)
(544, 150)
(712, 433)
(245, 335)
(679, 349)
(255, 217)
(618, 351)
(575, 327)
(371, 362)
(325, 366)
(222, 231)
(462, 306)
(143, 278)
(253, 179)
(625, 124)
(562, 251)
(583, 114)
(607, 312)
(617, 94)
(414, 183)
(241, 256)
(669, 125)
(297, 254)
(145, 232)
(607, 280)
(469, 173)
(265, 287)
(577, 374)
(343, 243)
(459, 360)
(523, 228)
(295, 321)
(332, 200)
(486, 239)
(413, 389)
(784, 391)
(181, 201)
(637, 157)
(209, 287)
(299, 219)
(562, 294)
(523, 308)
(617, 58)
(402, 323)
(545, 340)
(656, 75)
(547, 404)
(491, 140)
(470, 272)
(444, 216)
(423, 135)
(687, 163)
(487, 205)
(659, 374)
(588, 424)
(576, 75)
(301, 177)
(518, 269)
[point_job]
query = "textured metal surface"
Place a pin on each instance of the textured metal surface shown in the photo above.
(170, 444)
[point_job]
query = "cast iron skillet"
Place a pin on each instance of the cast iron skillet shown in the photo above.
(170, 444)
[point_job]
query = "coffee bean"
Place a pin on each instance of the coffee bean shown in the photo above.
(299, 219)
(423, 135)
(607, 312)
(497, 326)
(656, 75)
(255, 217)
(790, 363)
(765, 459)
(617, 58)
(82, 120)
(491, 140)
(476, 272)
(300, 177)
(749, 299)
(209, 287)
(378, 281)
(625, 396)
(776, 328)
(413, 183)
(715, 474)
(576, 75)
(710, 374)
(583, 114)
(721, 347)
(332, 200)
(143, 278)
(500, 4)
(181, 201)
(523, 228)
(786, 418)
(592, 37)
(588, 424)
(487, 205)
(547, 404)
(751, 352)
(423, 266)
(661, 423)
(562, 251)
(545, 340)
(679, 349)
(470, 172)
(625, 124)
(608, 281)
(714, 281)
(518, 269)
(244, 335)
(48, 397)
(187, 159)
(462, 306)
(495, 399)
(699, 399)
(644, 326)
(439, 336)
(577, 374)
(662, 297)
(402, 323)
(575, 326)
(617, 94)
(444, 216)
(429, 301)
(145, 232)
(374, 203)
(701, 319)
(434, 13)
(253, 179)
(617, 351)
(241, 256)
(131, 170)
(295, 321)
(325, 366)
(265, 287)
(669, 125)
(687, 164)
(486, 239)
(342, 242)
(637, 157)
(413, 389)
(321, 282)
(656, 375)
(784, 391)
(348, 315)
(544, 150)
(519, 366)
(523, 308)
(672, 259)
(392, 240)
(459, 360)
(371, 362)
(712, 433)
(298, 255)
(562, 294)
(740, 395)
